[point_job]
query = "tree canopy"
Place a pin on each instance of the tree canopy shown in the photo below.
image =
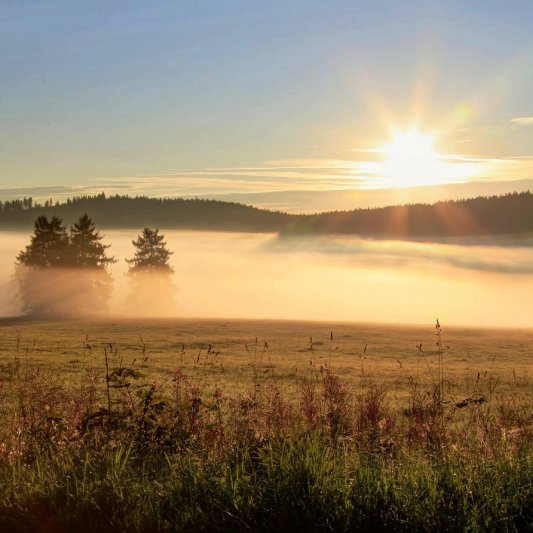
(63, 272)
(509, 214)
(49, 244)
(137, 212)
(86, 247)
(151, 253)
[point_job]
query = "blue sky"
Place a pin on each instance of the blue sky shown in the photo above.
(210, 97)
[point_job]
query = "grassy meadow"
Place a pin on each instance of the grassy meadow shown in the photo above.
(230, 354)
(236, 425)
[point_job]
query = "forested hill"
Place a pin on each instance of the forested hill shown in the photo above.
(511, 214)
(139, 212)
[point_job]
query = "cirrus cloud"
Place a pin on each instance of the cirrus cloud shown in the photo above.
(523, 121)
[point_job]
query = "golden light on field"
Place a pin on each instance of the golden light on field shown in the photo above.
(411, 160)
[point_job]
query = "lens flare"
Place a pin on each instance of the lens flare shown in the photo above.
(410, 160)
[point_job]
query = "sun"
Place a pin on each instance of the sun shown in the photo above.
(411, 160)
(410, 145)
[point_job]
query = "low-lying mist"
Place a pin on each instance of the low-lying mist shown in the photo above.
(61, 292)
(231, 275)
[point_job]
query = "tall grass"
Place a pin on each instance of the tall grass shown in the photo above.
(113, 451)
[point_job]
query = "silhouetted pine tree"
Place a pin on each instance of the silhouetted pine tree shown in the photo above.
(85, 246)
(62, 273)
(49, 244)
(150, 275)
(151, 254)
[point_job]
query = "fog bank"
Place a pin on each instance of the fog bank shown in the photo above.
(327, 278)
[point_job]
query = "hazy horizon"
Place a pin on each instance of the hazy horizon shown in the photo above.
(231, 275)
(301, 201)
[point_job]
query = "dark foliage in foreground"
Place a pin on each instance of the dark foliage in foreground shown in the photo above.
(112, 453)
(301, 484)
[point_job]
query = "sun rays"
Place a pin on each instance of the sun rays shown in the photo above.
(410, 159)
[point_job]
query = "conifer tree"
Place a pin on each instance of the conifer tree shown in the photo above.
(85, 245)
(150, 274)
(49, 246)
(64, 273)
(151, 254)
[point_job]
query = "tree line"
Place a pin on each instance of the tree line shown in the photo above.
(62, 268)
(132, 212)
(508, 214)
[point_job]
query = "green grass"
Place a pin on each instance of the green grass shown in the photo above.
(300, 484)
(175, 436)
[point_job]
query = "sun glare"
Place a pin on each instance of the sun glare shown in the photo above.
(410, 145)
(411, 160)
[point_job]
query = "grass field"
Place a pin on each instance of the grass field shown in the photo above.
(228, 354)
(235, 425)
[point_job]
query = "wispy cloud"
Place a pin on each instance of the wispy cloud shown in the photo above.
(311, 175)
(523, 121)
(281, 176)
(54, 192)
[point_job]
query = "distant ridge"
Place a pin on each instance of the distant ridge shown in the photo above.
(314, 201)
(139, 212)
(509, 214)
